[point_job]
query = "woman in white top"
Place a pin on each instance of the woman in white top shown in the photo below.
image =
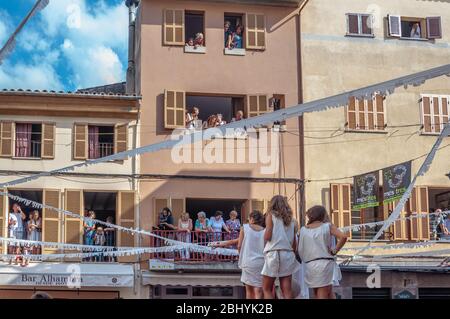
(314, 247)
(251, 255)
(184, 232)
(279, 256)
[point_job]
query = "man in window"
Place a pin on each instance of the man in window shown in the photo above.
(16, 222)
(438, 226)
(415, 31)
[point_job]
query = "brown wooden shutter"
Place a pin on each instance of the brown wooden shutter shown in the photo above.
(178, 207)
(6, 139)
(426, 114)
(346, 206)
(120, 138)
(334, 204)
(423, 208)
(48, 140)
(371, 112)
(126, 218)
(73, 227)
(395, 25)
(174, 109)
(414, 222)
(258, 204)
(352, 23)
(445, 103)
(256, 105)
(173, 27)
(399, 227)
(436, 128)
(434, 28)
(362, 125)
(351, 113)
(256, 31)
(380, 112)
(51, 220)
(80, 141)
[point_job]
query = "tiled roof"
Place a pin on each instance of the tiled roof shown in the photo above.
(78, 93)
(115, 88)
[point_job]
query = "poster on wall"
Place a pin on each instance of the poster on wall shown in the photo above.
(365, 190)
(396, 180)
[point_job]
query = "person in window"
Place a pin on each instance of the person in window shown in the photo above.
(235, 39)
(17, 222)
(212, 121)
(227, 33)
(190, 43)
(218, 224)
(234, 225)
(184, 232)
(34, 226)
(89, 229)
(415, 31)
(192, 117)
(220, 120)
(239, 116)
(166, 220)
(202, 227)
(438, 225)
(99, 240)
(110, 236)
(199, 40)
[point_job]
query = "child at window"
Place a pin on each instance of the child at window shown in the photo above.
(199, 40)
(190, 43)
(220, 120)
(99, 240)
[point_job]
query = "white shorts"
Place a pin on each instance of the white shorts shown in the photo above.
(252, 277)
(279, 263)
(319, 273)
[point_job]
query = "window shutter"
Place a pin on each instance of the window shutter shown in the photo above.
(80, 141)
(258, 204)
(178, 207)
(120, 138)
(2, 217)
(380, 122)
(352, 23)
(173, 27)
(51, 220)
(174, 109)
(436, 127)
(434, 28)
(334, 204)
(257, 105)
(414, 222)
(48, 140)
(126, 218)
(256, 31)
(371, 114)
(399, 228)
(73, 227)
(395, 25)
(423, 208)
(367, 24)
(445, 104)
(6, 139)
(362, 125)
(351, 113)
(346, 206)
(426, 114)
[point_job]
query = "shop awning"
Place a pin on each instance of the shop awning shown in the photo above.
(69, 275)
(191, 279)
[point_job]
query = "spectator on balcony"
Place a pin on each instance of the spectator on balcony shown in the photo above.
(34, 226)
(199, 40)
(166, 220)
(234, 225)
(211, 122)
(227, 32)
(16, 222)
(220, 120)
(184, 232)
(110, 236)
(99, 240)
(192, 118)
(438, 225)
(218, 225)
(314, 247)
(415, 31)
(279, 256)
(251, 255)
(239, 116)
(202, 226)
(89, 229)
(235, 39)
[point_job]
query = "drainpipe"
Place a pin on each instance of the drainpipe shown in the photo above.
(131, 70)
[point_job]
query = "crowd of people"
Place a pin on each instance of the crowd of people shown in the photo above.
(193, 121)
(97, 235)
(198, 41)
(233, 35)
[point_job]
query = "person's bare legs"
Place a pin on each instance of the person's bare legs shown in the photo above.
(258, 293)
(332, 294)
(286, 287)
(323, 292)
(268, 287)
(249, 292)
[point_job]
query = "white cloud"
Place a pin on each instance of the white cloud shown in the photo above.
(4, 27)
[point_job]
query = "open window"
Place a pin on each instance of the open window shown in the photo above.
(195, 41)
(360, 25)
(234, 34)
(28, 140)
(414, 28)
(100, 141)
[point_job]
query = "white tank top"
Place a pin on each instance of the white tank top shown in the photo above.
(251, 255)
(282, 236)
(315, 243)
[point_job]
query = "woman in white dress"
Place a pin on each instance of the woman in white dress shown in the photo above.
(314, 247)
(251, 255)
(279, 256)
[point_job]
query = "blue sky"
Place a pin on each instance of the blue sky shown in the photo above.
(69, 45)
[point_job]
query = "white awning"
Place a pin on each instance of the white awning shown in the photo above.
(191, 279)
(71, 275)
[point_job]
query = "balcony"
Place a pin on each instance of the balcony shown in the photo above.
(101, 150)
(193, 258)
(28, 148)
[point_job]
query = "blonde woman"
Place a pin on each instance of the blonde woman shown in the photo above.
(314, 247)
(280, 245)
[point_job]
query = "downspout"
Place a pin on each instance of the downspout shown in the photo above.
(302, 200)
(131, 70)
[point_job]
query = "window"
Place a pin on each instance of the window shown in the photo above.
(100, 141)
(435, 111)
(234, 34)
(257, 105)
(371, 293)
(173, 27)
(195, 41)
(366, 215)
(366, 115)
(414, 28)
(256, 31)
(359, 24)
(28, 140)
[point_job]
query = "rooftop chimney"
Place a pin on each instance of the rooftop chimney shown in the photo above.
(131, 70)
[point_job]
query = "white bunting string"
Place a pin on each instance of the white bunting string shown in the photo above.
(339, 100)
(10, 44)
(416, 245)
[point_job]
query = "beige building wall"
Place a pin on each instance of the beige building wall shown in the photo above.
(272, 71)
(333, 63)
